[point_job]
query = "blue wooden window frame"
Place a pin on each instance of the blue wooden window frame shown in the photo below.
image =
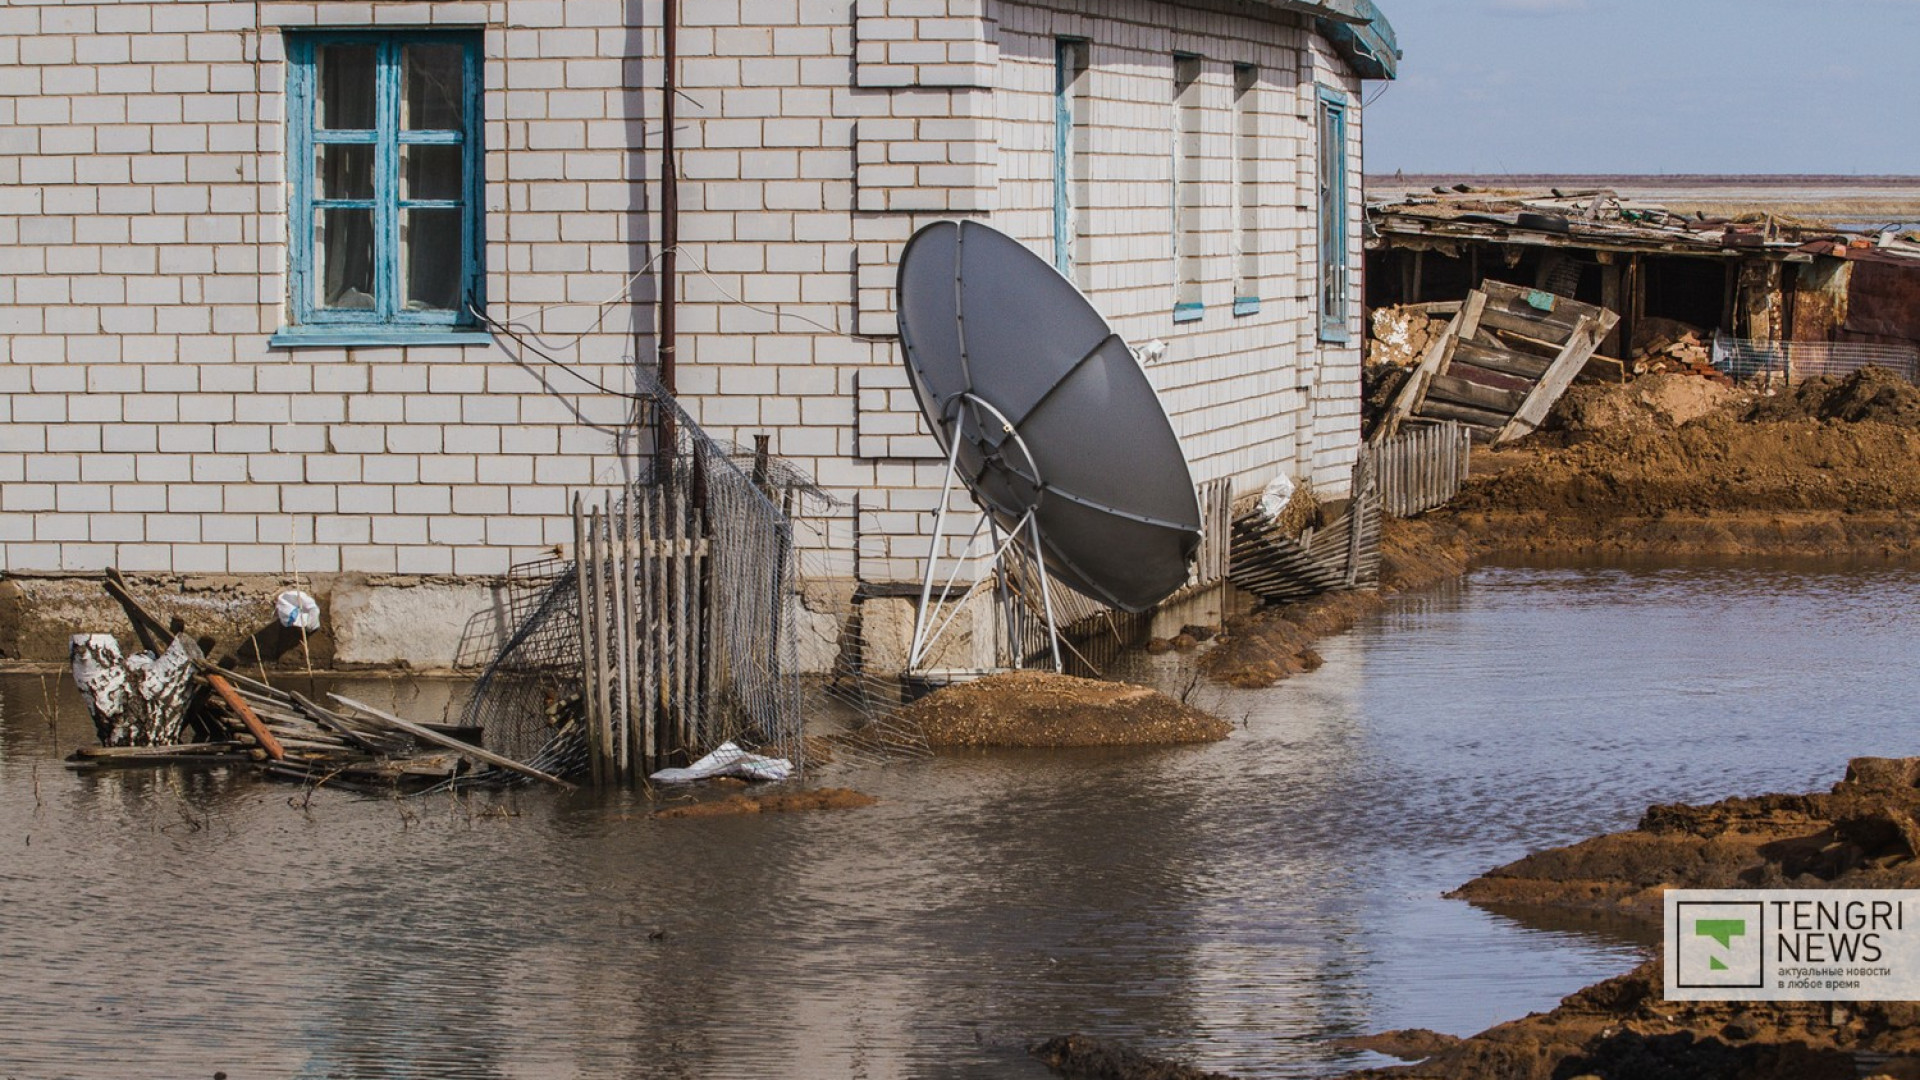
(387, 320)
(1069, 67)
(1188, 73)
(1246, 189)
(1336, 274)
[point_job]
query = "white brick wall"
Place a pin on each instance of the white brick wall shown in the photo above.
(142, 220)
(144, 421)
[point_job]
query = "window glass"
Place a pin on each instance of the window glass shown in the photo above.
(347, 86)
(343, 244)
(432, 95)
(430, 170)
(343, 170)
(431, 259)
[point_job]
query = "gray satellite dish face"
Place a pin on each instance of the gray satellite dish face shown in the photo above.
(1051, 410)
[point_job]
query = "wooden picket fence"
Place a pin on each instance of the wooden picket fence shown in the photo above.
(1421, 468)
(642, 569)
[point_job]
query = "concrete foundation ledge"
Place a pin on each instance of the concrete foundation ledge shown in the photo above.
(366, 620)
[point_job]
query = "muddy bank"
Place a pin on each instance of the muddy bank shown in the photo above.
(784, 803)
(1079, 1057)
(1681, 466)
(1271, 643)
(1862, 834)
(1032, 709)
(1622, 1029)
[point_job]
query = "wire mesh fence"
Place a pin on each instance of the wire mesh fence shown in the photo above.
(1793, 361)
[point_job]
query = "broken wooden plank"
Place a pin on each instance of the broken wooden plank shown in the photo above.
(1466, 414)
(1458, 391)
(446, 742)
(1532, 331)
(240, 709)
(1505, 361)
(1484, 377)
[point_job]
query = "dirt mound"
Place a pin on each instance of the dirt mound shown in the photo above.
(1411, 1044)
(1863, 834)
(1870, 395)
(785, 803)
(1040, 709)
(1622, 1029)
(1647, 402)
(1720, 484)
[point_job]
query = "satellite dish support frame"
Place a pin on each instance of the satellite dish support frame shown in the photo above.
(925, 633)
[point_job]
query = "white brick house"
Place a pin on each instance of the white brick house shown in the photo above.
(238, 241)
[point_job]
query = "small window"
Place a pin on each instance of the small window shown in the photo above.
(384, 153)
(1335, 268)
(1071, 174)
(1246, 189)
(1189, 187)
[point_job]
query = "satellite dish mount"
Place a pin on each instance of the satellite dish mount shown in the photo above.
(1025, 530)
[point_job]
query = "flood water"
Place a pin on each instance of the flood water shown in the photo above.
(1237, 906)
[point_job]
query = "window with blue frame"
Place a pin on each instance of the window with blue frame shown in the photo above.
(384, 152)
(1335, 270)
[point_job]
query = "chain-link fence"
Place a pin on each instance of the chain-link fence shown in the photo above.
(1793, 361)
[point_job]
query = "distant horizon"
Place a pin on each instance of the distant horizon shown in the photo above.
(1778, 176)
(1708, 88)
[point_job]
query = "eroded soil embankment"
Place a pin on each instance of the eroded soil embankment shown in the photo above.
(1863, 834)
(1271, 643)
(1677, 466)
(1622, 1029)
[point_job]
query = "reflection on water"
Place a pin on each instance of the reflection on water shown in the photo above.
(1236, 905)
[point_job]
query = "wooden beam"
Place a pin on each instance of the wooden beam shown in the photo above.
(447, 742)
(1460, 391)
(240, 709)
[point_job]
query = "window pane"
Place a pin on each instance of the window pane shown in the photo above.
(343, 244)
(432, 90)
(344, 171)
(430, 171)
(345, 98)
(430, 259)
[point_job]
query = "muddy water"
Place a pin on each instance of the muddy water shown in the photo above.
(1237, 905)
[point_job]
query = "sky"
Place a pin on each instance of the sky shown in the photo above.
(1649, 86)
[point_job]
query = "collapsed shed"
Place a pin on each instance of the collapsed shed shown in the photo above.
(1769, 295)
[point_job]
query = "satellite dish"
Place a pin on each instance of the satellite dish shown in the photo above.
(1046, 415)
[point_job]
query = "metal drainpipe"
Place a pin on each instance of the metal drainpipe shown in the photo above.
(669, 219)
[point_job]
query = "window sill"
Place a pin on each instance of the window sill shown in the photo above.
(1188, 312)
(1246, 305)
(371, 338)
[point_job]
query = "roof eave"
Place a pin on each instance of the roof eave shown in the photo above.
(1356, 28)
